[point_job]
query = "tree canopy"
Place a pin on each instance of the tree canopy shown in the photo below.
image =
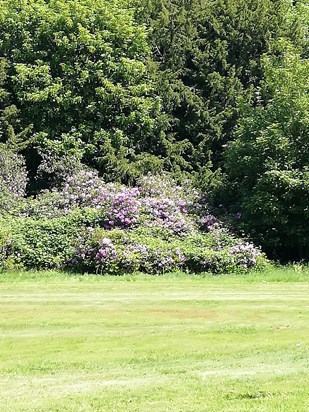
(268, 163)
(208, 55)
(75, 83)
(215, 91)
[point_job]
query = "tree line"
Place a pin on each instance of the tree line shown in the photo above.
(215, 91)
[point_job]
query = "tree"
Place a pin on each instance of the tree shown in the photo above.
(268, 163)
(75, 83)
(208, 54)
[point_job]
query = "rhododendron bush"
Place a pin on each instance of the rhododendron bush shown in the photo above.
(13, 177)
(156, 226)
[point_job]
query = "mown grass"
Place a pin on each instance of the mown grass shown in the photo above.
(167, 343)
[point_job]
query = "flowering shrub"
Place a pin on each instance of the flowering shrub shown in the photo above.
(123, 209)
(118, 205)
(100, 256)
(120, 253)
(159, 199)
(208, 222)
(85, 188)
(133, 251)
(97, 227)
(13, 178)
(13, 174)
(245, 254)
(165, 213)
(144, 258)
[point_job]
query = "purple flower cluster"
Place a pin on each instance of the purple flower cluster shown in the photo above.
(125, 256)
(119, 204)
(160, 200)
(138, 256)
(156, 202)
(106, 252)
(123, 209)
(246, 254)
(209, 223)
(95, 255)
(85, 188)
(13, 174)
(165, 213)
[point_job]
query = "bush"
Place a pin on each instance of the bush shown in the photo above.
(13, 177)
(91, 226)
(118, 205)
(48, 243)
(5, 243)
(117, 252)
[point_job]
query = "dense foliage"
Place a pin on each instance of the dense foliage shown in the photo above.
(75, 83)
(268, 163)
(96, 227)
(214, 92)
(208, 55)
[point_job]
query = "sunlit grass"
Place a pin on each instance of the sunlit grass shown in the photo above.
(166, 343)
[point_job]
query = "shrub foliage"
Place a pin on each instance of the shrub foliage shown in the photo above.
(99, 227)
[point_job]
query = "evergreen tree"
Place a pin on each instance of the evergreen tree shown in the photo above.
(208, 55)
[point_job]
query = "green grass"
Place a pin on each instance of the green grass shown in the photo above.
(141, 343)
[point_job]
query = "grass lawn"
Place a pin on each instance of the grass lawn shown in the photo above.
(169, 343)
